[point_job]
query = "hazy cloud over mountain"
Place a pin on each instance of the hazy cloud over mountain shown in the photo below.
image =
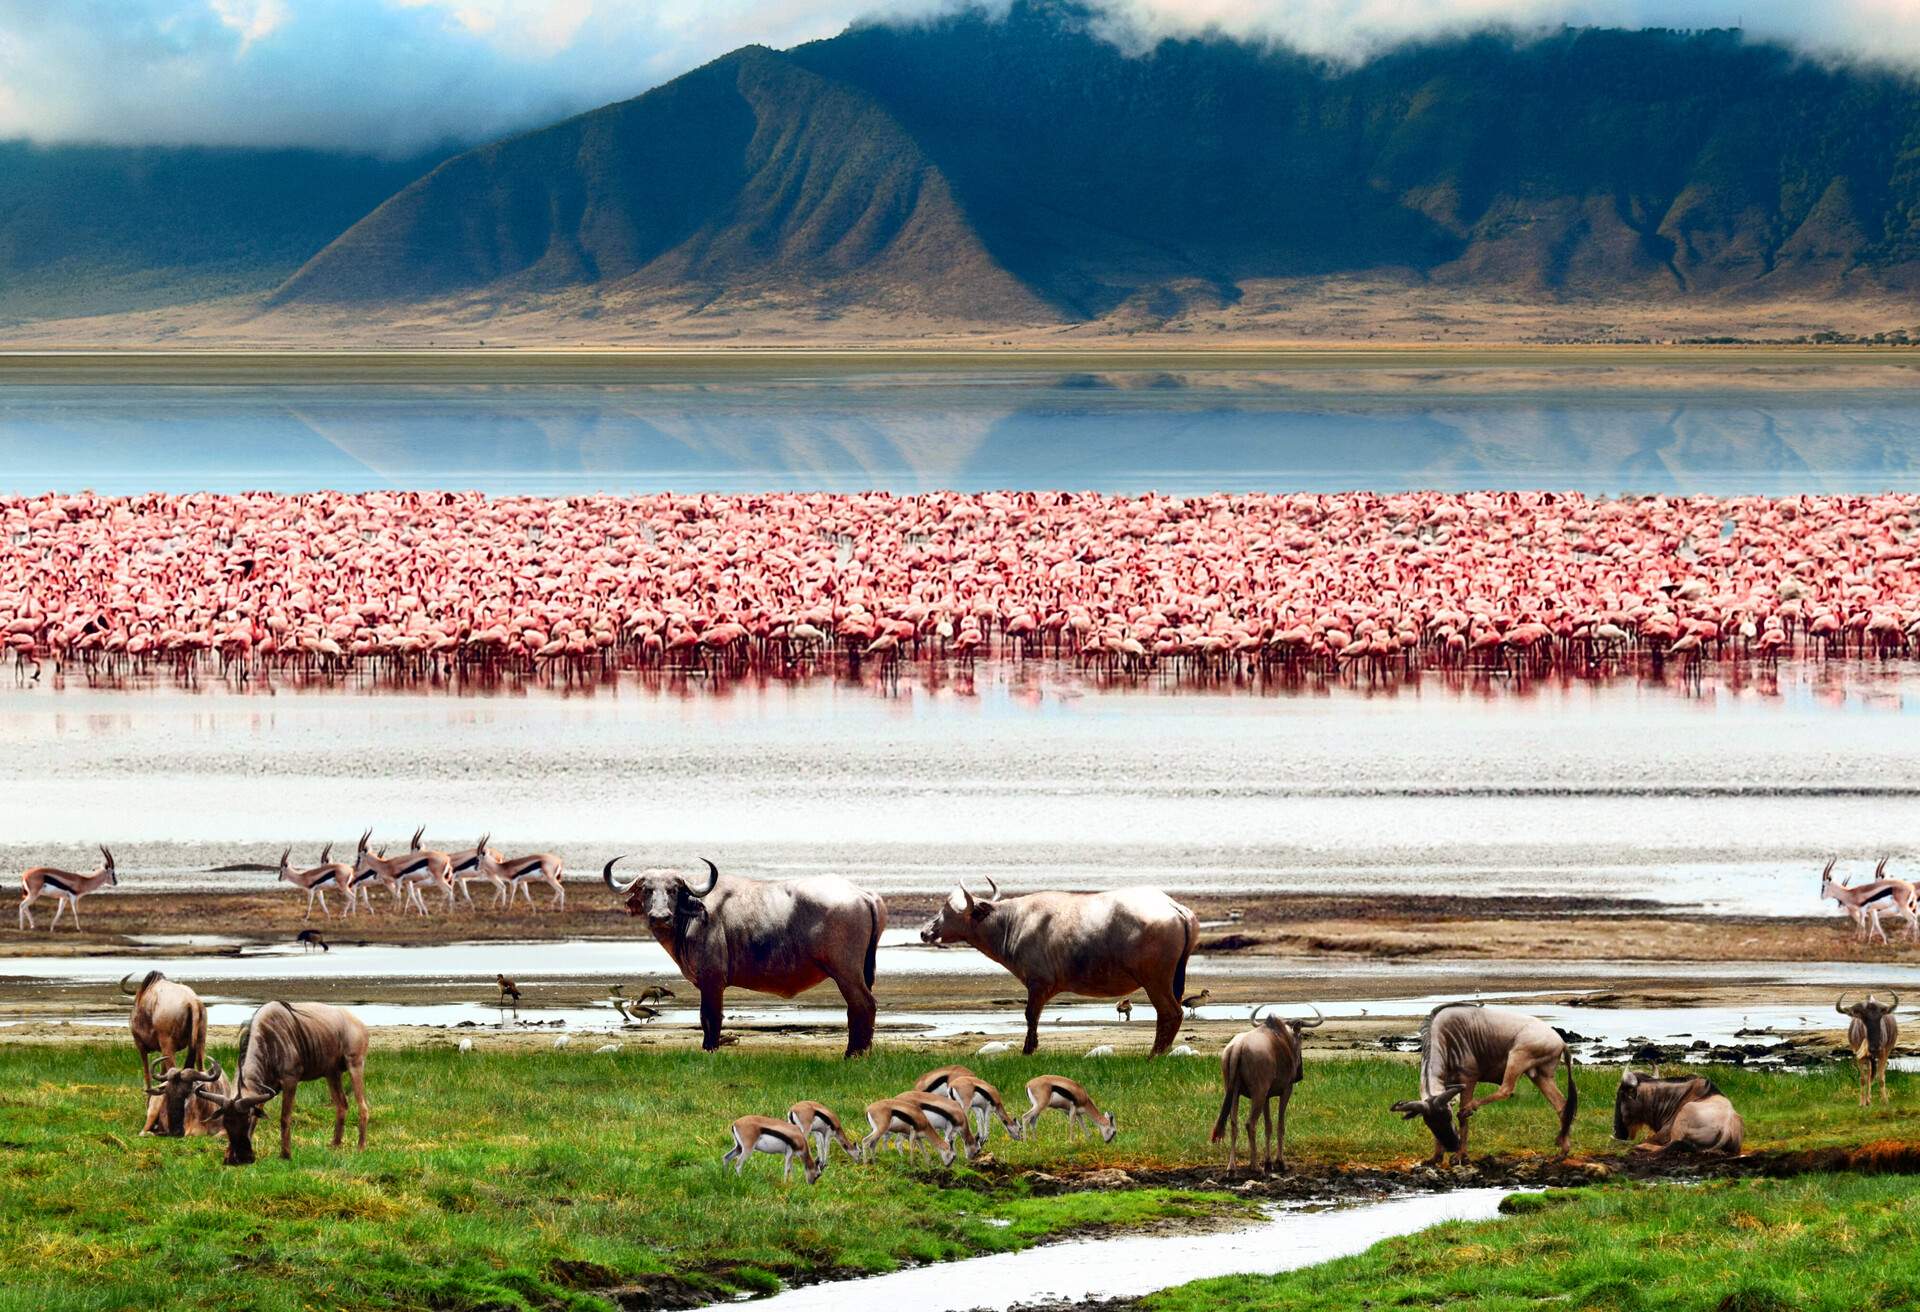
(396, 75)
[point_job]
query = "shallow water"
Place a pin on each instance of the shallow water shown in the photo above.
(1118, 430)
(1727, 795)
(1134, 1265)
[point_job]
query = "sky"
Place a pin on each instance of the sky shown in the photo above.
(394, 76)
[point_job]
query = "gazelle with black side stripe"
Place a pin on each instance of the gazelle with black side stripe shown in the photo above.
(520, 873)
(467, 867)
(369, 866)
(1866, 903)
(315, 882)
(66, 887)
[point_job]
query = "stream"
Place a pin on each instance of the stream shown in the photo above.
(1133, 1265)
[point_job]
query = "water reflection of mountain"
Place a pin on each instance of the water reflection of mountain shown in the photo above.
(1075, 431)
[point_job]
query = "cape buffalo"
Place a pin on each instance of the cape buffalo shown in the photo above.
(780, 937)
(1099, 945)
(1682, 1111)
(1465, 1044)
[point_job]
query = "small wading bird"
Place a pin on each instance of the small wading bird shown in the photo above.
(66, 888)
(1194, 1001)
(1125, 1008)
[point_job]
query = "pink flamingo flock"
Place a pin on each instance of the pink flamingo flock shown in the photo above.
(1209, 584)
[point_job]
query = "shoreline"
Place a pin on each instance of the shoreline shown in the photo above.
(21, 365)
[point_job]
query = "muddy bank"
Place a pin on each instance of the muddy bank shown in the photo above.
(1350, 926)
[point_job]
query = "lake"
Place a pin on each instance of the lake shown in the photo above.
(1113, 430)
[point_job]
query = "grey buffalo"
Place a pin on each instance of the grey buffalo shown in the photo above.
(1099, 945)
(281, 1045)
(780, 937)
(1464, 1045)
(1681, 1111)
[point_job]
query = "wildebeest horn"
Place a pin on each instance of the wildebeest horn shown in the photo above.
(148, 1063)
(606, 873)
(995, 887)
(1255, 1018)
(1895, 1004)
(713, 878)
(1314, 1024)
(217, 1099)
(212, 1074)
(131, 992)
(1839, 1005)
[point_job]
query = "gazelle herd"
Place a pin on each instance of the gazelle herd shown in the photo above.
(948, 1113)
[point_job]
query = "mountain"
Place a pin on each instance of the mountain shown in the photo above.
(101, 229)
(1017, 171)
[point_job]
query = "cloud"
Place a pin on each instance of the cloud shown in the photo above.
(394, 76)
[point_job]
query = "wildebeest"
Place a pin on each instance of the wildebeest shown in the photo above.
(1262, 1066)
(1464, 1045)
(1871, 1033)
(167, 1018)
(772, 936)
(281, 1045)
(1099, 945)
(171, 1107)
(1680, 1111)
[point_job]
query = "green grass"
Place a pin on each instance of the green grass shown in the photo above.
(508, 1181)
(1801, 1245)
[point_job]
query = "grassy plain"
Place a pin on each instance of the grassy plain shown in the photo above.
(579, 1180)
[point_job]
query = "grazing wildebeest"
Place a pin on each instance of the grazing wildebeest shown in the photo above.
(171, 1107)
(1099, 945)
(772, 936)
(1679, 1112)
(1262, 1066)
(281, 1045)
(1871, 1033)
(1464, 1045)
(167, 1018)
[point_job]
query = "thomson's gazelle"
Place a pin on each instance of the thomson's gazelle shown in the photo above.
(897, 1118)
(66, 887)
(763, 1134)
(818, 1123)
(316, 881)
(1058, 1093)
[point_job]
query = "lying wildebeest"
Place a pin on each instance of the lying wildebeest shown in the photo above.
(1680, 1111)
(281, 1045)
(172, 1109)
(1099, 945)
(1871, 1034)
(1262, 1066)
(167, 1018)
(1464, 1045)
(780, 937)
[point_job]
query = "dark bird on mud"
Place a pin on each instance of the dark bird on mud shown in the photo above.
(1125, 1008)
(1193, 1000)
(508, 989)
(655, 993)
(311, 939)
(634, 1012)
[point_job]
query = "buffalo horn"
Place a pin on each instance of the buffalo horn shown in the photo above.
(713, 878)
(607, 874)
